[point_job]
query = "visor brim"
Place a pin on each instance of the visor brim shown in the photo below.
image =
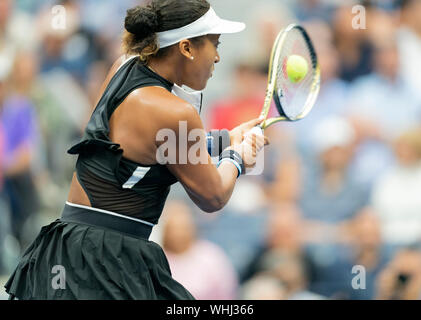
(227, 26)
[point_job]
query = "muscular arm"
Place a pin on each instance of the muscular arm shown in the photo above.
(149, 110)
(209, 187)
(135, 124)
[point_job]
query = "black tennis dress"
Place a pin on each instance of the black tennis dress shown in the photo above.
(103, 252)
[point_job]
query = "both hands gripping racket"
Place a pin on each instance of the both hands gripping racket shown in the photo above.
(293, 99)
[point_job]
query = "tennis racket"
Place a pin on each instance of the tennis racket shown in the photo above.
(293, 100)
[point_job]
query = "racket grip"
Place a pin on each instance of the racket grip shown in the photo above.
(257, 130)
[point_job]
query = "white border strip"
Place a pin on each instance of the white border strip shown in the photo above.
(108, 212)
(126, 61)
(137, 175)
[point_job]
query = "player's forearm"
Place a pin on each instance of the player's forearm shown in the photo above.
(228, 173)
(229, 168)
(218, 192)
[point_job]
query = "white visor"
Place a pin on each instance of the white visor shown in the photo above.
(209, 23)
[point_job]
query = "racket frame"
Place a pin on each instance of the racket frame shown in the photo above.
(272, 77)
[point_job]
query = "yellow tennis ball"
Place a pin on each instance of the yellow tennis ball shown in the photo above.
(297, 68)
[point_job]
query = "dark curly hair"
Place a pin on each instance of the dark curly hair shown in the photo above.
(143, 22)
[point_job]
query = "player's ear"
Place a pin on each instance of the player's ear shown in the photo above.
(186, 49)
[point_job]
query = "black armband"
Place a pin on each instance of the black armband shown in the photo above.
(233, 156)
(218, 140)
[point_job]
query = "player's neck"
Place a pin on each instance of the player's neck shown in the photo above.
(166, 70)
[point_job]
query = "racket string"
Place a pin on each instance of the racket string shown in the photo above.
(292, 96)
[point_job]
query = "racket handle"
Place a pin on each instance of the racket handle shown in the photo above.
(257, 130)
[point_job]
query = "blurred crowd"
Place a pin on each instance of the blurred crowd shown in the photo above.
(336, 213)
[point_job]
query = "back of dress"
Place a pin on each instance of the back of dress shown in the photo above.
(112, 182)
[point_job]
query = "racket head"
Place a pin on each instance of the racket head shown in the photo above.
(293, 101)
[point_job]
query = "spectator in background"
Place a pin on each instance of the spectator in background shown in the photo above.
(330, 194)
(263, 287)
(388, 5)
(332, 264)
(381, 106)
(409, 43)
(367, 249)
(3, 75)
(267, 19)
(354, 50)
(292, 273)
(4, 207)
(239, 227)
(57, 100)
(286, 185)
(96, 15)
(283, 256)
(1, 148)
(401, 279)
(71, 48)
(4, 214)
(20, 123)
(396, 195)
(283, 239)
(16, 31)
(330, 198)
(310, 9)
(248, 93)
(199, 265)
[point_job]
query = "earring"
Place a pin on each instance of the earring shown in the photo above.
(192, 58)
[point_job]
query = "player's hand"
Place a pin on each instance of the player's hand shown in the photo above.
(250, 147)
(237, 134)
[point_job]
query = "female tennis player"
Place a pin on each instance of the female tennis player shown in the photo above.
(99, 248)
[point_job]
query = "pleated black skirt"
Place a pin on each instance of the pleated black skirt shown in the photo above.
(73, 260)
